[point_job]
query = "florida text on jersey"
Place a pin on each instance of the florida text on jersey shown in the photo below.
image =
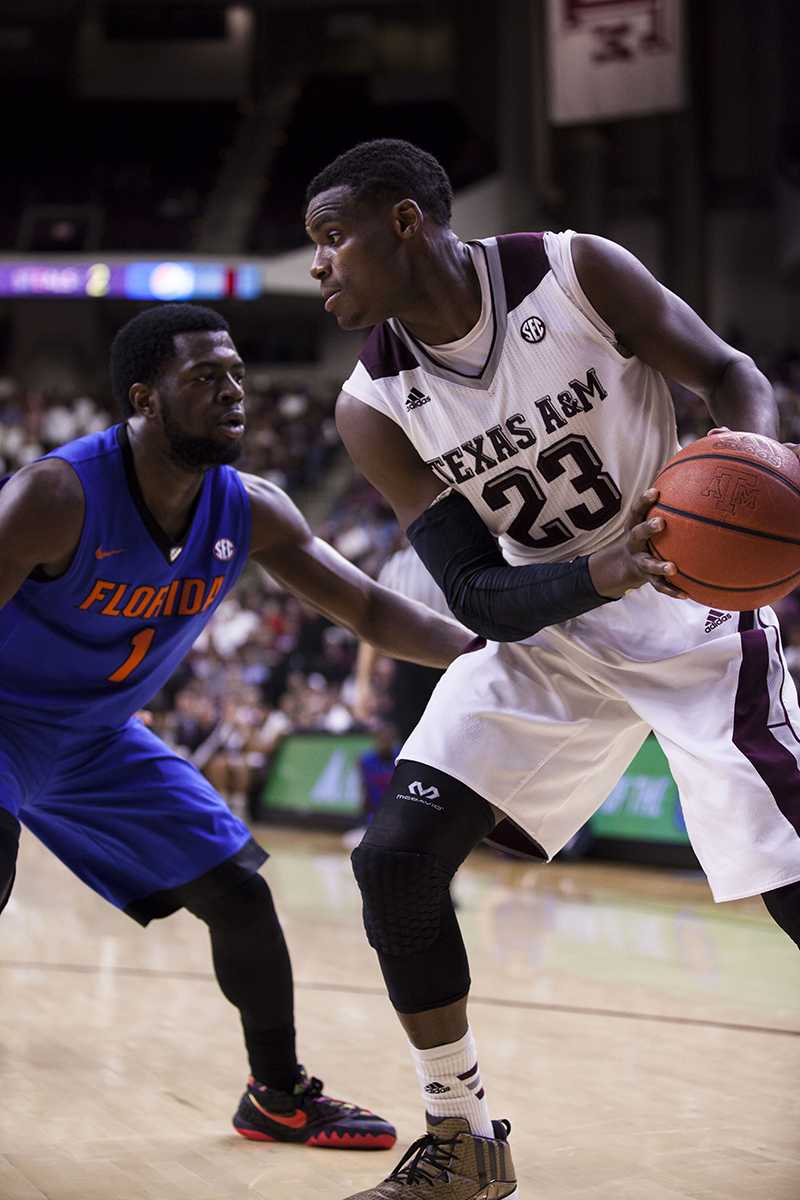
(96, 643)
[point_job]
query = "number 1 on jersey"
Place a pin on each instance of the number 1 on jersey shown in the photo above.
(140, 644)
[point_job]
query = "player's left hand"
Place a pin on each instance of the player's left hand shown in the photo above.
(629, 562)
(640, 528)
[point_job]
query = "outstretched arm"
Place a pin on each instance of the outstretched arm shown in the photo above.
(283, 545)
(663, 331)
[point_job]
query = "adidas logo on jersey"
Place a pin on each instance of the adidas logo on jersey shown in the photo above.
(436, 1089)
(416, 399)
(716, 618)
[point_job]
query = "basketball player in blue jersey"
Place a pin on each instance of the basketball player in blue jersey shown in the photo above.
(511, 405)
(115, 551)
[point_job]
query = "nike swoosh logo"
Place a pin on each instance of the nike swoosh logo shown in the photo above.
(296, 1121)
(100, 553)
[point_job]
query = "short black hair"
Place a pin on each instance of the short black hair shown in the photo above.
(147, 341)
(389, 169)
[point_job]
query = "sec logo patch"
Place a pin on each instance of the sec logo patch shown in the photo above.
(533, 329)
(224, 549)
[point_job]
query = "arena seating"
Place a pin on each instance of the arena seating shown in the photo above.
(119, 175)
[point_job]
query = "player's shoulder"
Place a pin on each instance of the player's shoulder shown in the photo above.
(101, 445)
(266, 498)
(524, 262)
(276, 518)
(51, 482)
(592, 252)
(44, 498)
(263, 491)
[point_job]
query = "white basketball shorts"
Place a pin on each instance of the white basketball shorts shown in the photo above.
(543, 729)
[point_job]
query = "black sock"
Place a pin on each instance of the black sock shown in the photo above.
(272, 1056)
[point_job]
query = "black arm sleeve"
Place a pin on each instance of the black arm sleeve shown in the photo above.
(495, 600)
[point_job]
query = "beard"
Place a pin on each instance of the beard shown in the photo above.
(197, 453)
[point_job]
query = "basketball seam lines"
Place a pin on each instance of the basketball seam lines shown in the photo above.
(770, 537)
(709, 584)
(732, 458)
(758, 587)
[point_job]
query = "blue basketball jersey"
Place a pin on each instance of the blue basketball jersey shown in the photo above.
(92, 646)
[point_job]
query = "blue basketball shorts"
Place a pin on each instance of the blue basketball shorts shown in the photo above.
(133, 820)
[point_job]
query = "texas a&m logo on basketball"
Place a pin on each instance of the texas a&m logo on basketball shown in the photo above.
(731, 490)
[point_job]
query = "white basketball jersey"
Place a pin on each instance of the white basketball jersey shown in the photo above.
(560, 433)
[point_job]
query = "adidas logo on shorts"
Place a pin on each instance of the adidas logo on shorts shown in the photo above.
(716, 618)
(436, 1089)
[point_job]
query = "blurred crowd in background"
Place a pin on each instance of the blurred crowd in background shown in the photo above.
(290, 441)
(267, 665)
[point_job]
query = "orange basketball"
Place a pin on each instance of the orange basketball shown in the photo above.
(731, 504)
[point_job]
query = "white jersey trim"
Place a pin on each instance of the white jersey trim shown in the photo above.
(558, 247)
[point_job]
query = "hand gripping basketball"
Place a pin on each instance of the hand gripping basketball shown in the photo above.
(731, 503)
(628, 563)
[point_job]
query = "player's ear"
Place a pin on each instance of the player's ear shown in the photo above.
(407, 218)
(142, 400)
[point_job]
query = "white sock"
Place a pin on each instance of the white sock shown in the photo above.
(451, 1083)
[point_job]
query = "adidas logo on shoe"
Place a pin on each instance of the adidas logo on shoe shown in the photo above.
(436, 1089)
(416, 399)
(716, 618)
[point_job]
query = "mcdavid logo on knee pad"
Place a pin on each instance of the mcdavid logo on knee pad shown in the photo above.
(421, 795)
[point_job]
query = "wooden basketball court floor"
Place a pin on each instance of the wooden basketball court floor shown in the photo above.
(644, 1043)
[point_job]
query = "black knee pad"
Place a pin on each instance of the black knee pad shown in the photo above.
(402, 894)
(426, 826)
(9, 846)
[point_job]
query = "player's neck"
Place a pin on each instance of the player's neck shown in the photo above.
(445, 296)
(168, 489)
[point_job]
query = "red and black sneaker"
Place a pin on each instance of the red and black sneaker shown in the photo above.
(307, 1116)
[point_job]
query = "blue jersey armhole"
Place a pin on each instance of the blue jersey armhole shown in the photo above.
(77, 554)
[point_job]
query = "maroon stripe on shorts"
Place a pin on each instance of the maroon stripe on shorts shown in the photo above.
(751, 733)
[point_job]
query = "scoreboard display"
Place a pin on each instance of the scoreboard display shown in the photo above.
(140, 279)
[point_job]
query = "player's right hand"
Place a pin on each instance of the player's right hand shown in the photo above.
(627, 563)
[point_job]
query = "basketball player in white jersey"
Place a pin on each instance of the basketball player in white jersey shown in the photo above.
(513, 389)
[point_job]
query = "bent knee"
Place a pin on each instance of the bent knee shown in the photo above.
(237, 906)
(402, 893)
